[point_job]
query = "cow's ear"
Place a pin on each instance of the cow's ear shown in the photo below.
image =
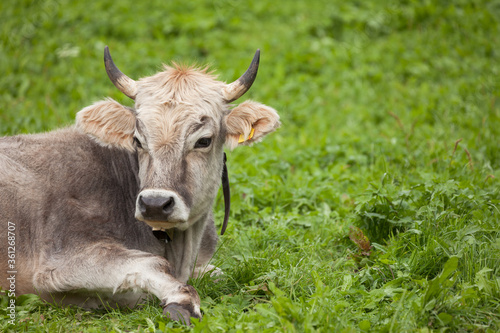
(109, 123)
(249, 122)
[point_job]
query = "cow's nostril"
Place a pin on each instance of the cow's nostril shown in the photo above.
(142, 205)
(167, 207)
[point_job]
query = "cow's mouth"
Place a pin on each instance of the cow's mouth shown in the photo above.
(165, 235)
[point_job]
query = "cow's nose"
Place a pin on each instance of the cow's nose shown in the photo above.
(156, 207)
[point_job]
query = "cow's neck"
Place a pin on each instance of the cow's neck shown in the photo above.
(182, 250)
(126, 172)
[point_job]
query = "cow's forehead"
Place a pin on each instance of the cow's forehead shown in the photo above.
(171, 103)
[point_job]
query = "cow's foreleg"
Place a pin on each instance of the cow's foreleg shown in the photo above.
(113, 270)
(207, 250)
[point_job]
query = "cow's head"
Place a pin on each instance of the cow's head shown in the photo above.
(181, 120)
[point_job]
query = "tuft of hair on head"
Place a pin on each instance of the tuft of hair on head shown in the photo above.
(183, 69)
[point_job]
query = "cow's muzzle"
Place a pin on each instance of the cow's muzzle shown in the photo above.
(160, 208)
(156, 208)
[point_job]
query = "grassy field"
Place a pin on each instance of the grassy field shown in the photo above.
(375, 207)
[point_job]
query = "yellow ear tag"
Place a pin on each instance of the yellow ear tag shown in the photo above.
(242, 139)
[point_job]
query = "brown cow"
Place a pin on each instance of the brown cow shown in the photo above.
(78, 205)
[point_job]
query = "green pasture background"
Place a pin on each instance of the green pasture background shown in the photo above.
(375, 207)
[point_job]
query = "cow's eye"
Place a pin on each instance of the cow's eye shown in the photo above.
(137, 142)
(203, 143)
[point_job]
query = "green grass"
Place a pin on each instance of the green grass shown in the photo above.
(391, 124)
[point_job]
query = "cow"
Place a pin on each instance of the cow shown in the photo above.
(119, 205)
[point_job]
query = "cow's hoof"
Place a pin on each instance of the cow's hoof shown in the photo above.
(180, 313)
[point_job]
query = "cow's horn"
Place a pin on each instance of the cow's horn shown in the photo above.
(125, 84)
(235, 90)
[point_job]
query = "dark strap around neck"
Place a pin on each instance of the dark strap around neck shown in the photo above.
(227, 195)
